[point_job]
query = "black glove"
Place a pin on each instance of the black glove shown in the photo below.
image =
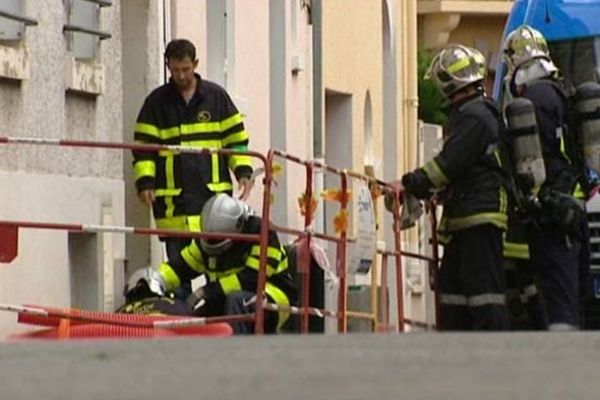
(418, 184)
(561, 210)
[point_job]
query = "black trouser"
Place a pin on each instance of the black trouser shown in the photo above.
(557, 259)
(237, 303)
(174, 245)
(524, 301)
(471, 281)
(585, 278)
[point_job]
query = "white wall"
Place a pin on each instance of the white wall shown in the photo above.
(52, 184)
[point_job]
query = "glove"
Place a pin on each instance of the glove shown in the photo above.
(561, 210)
(388, 199)
(196, 299)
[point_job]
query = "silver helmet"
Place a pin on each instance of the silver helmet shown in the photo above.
(523, 45)
(144, 279)
(456, 67)
(223, 214)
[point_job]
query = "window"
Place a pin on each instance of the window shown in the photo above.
(83, 27)
(12, 21)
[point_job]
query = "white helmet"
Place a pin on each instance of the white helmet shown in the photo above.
(144, 279)
(523, 45)
(223, 214)
(456, 67)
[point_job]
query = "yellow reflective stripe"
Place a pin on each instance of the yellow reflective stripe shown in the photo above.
(254, 263)
(272, 252)
(193, 258)
(165, 153)
(238, 137)
(220, 187)
(231, 121)
(578, 193)
(169, 133)
(236, 160)
(170, 171)
(458, 65)
(169, 206)
(178, 223)
(230, 284)
(202, 144)
(281, 299)
(282, 266)
(503, 200)
(435, 174)
(194, 223)
(213, 276)
(214, 158)
(144, 168)
(444, 239)
(169, 276)
(199, 127)
(495, 218)
(167, 192)
(516, 250)
(147, 129)
(563, 148)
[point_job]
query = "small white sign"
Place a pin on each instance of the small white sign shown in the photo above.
(363, 251)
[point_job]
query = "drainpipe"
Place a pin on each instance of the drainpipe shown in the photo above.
(411, 87)
(317, 43)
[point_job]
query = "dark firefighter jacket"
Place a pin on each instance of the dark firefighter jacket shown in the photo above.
(182, 182)
(561, 174)
(236, 269)
(467, 169)
(551, 115)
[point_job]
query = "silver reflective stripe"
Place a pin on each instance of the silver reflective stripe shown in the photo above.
(473, 301)
(528, 292)
(485, 299)
(491, 149)
(453, 299)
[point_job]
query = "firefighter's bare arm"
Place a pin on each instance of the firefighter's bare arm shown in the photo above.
(147, 196)
(245, 185)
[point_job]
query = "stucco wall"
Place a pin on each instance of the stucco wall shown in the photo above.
(352, 64)
(52, 184)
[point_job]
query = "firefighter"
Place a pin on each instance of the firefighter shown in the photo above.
(193, 112)
(144, 294)
(467, 175)
(559, 245)
(231, 267)
(526, 165)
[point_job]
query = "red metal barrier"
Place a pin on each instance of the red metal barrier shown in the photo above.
(9, 241)
(341, 243)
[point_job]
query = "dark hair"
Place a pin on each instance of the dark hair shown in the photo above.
(178, 49)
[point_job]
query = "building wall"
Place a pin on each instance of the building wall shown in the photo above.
(61, 185)
(484, 34)
(352, 65)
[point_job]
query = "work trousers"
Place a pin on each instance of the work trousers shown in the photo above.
(242, 302)
(471, 281)
(559, 260)
(524, 301)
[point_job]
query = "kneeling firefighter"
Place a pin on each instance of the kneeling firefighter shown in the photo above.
(144, 294)
(231, 267)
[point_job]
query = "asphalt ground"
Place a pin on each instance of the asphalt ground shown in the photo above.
(355, 366)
